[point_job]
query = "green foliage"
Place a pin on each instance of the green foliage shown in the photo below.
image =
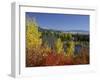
(58, 45)
(69, 36)
(66, 36)
(32, 35)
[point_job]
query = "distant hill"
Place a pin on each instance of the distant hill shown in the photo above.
(77, 32)
(69, 31)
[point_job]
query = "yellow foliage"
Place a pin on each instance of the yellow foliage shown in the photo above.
(33, 39)
(58, 46)
(70, 48)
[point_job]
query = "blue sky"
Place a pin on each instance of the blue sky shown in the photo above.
(62, 22)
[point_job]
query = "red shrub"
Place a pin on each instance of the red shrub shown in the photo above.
(54, 59)
(50, 59)
(40, 57)
(69, 60)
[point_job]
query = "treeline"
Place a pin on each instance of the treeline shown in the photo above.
(65, 35)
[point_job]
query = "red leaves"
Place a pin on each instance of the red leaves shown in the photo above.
(36, 57)
(57, 59)
(50, 60)
(69, 60)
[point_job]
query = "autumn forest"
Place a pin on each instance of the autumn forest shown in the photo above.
(55, 47)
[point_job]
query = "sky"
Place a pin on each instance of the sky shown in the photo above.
(62, 22)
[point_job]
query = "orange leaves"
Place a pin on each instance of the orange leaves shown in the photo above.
(40, 57)
(37, 57)
(50, 60)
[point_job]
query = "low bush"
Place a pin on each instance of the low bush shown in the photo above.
(46, 57)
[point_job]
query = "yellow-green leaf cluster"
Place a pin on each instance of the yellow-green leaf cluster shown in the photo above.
(58, 45)
(33, 39)
(70, 48)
